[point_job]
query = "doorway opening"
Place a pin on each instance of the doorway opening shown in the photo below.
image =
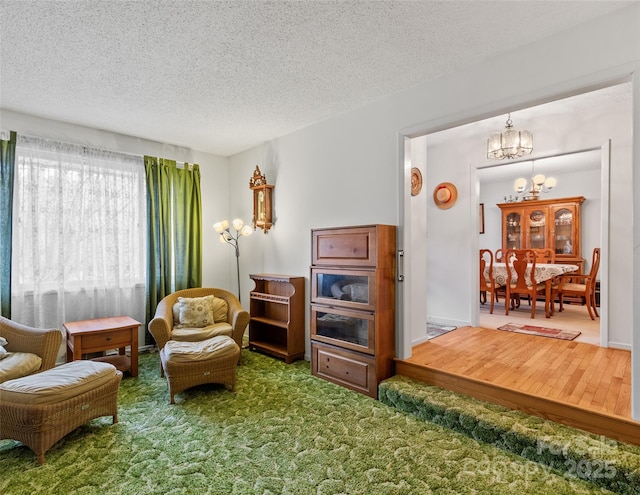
(446, 257)
(578, 174)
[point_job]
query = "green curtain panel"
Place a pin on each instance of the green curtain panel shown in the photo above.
(187, 216)
(158, 245)
(7, 173)
(174, 219)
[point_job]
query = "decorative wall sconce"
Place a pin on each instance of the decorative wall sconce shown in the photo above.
(262, 201)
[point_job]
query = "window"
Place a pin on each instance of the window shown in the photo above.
(79, 247)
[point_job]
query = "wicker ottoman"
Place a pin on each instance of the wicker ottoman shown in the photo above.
(38, 410)
(187, 364)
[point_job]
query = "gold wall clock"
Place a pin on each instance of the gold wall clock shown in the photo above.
(262, 201)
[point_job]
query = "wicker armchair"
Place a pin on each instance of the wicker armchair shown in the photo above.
(161, 326)
(22, 338)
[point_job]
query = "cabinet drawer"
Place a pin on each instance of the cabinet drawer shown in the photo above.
(106, 340)
(354, 247)
(350, 369)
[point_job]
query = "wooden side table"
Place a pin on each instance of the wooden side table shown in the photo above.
(103, 334)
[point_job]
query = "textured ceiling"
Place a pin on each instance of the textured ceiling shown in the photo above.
(223, 76)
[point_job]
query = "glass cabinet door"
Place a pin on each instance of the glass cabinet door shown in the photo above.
(347, 288)
(347, 329)
(563, 241)
(537, 223)
(513, 225)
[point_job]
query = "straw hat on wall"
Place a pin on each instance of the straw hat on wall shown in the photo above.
(445, 195)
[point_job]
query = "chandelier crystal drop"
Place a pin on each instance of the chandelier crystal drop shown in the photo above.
(510, 143)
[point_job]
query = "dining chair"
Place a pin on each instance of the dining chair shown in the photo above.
(546, 255)
(568, 287)
(498, 256)
(521, 277)
(500, 290)
(487, 282)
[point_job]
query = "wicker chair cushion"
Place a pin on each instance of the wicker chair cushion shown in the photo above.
(57, 384)
(215, 347)
(185, 334)
(3, 351)
(199, 311)
(18, 364)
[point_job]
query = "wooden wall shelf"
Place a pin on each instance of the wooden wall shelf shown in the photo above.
(277, 316)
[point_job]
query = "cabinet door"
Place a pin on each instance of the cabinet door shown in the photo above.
(537, 226)
(513, 230)
(348, 329)
(356, 246)
(347, 288)
(564, 233)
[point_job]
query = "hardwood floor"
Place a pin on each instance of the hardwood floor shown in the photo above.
(574, 317)
(574, 383)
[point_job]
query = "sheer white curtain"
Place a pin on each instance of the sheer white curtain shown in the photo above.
(79, 234)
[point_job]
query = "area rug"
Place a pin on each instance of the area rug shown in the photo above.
(554, 333)
(435, 330)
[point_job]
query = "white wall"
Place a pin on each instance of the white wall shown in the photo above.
(345, 171)
(417, 257)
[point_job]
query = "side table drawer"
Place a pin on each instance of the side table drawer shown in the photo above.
(107, 340)
(350, 369)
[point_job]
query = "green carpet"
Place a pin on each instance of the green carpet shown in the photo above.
(282, 432)
(606, 462)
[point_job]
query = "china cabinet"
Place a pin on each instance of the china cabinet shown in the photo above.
(353, 305)
(552, 223)
(277, 316)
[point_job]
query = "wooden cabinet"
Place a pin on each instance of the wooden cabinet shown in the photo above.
(353, 305)
(552, 223)
(277, 316)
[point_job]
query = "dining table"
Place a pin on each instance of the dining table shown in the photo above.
(544, 272)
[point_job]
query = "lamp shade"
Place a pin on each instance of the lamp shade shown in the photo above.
(520, 185)
(539, 179)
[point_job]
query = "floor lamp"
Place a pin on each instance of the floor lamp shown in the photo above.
(226, 236)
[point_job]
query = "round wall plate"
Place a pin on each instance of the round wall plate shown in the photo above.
(416, 181)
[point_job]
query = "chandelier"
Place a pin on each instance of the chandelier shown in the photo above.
(537, 184)
(509, 143)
